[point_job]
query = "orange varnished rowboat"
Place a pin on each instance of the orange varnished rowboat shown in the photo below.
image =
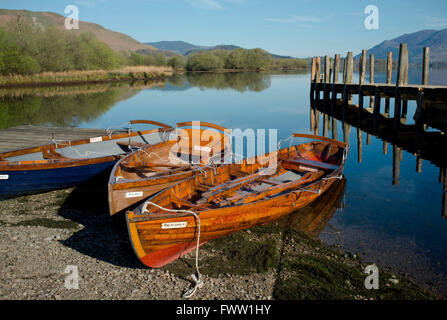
(152, 169)
(233, 197)
(65, 164)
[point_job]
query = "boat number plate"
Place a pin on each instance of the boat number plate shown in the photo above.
(200, 148)
(136, 194)
(97, 139)
(4, 176)
(174, 225)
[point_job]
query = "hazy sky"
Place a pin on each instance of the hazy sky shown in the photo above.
(298, 28)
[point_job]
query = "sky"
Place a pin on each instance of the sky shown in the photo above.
(298, 28)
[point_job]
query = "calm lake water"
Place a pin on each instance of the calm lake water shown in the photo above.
(394, 225)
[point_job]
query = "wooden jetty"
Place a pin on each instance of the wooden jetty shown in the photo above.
(431, 100)
(28, 136)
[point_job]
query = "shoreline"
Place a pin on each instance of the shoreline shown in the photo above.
(42, 234)
(74, 78)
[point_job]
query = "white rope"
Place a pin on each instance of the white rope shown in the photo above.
(197, 279)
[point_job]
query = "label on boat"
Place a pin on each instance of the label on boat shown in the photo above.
(135, 194)
(200, 148)
(174, 225)
(4, 176)
(96, 139)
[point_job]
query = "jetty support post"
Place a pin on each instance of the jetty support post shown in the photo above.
(371, 79)
(362, 70)
(402, 74)
(327, 71)
(389, 73)
(425, 65)
(335, 75)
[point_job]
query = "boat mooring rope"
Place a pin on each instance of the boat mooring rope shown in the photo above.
(197, 280)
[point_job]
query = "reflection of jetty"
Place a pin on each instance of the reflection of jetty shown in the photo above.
(431, 100)
(424, 145)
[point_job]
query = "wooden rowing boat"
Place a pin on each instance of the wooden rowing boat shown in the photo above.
(233, 197)
(69, 163)
(152, 169)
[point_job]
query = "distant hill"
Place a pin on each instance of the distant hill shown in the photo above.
(186, 48)
(179, 47)
(435, 39)
(116, 40)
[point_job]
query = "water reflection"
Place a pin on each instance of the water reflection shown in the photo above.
(314, 218)
(63, 106)
(74, 105)
(413, 138)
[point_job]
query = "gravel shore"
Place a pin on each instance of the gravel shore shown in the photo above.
(41, 235)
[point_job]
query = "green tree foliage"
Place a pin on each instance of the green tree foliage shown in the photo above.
(241, 59)
(204, 61)
(176, 62)
(27, 49)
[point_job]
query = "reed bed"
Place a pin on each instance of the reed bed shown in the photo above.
(77, 76)
(53, 91)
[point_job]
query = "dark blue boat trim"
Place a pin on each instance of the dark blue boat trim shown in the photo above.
(22, 182)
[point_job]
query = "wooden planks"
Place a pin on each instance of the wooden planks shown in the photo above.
(30, 136)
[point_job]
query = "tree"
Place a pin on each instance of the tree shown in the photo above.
(176, 62)
(204, 61)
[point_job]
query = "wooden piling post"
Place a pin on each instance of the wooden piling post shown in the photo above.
(362, 67)
(402, 69)
(327, 80)
(359, 145)
(425, 65)
(396, 165)
(325, 124)
(371, 78)
(312, 118)
(389, 72)
(317, 70)
(402, 76)
(317, 77)
(335, 75)
(444, 194)
(347, 98)
(362, 70)
(418, 164)
(334, 128)
(336, 69)
(385, 147)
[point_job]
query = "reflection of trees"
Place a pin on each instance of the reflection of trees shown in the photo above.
(239, 81)
(64, 110)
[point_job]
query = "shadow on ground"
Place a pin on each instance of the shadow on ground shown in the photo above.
(101, 237)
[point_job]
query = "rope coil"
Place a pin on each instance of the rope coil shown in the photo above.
(198, 283)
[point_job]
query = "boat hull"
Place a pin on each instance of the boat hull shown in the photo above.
(16, 183)
(232, 198)
(156, 247)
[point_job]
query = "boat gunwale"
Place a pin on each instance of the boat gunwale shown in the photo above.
(6, 165)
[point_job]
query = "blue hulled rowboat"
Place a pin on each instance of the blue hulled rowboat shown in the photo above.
(70, 163)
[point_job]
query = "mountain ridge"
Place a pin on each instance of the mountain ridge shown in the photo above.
(116, 40)
(416, 41)
(186, 48)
